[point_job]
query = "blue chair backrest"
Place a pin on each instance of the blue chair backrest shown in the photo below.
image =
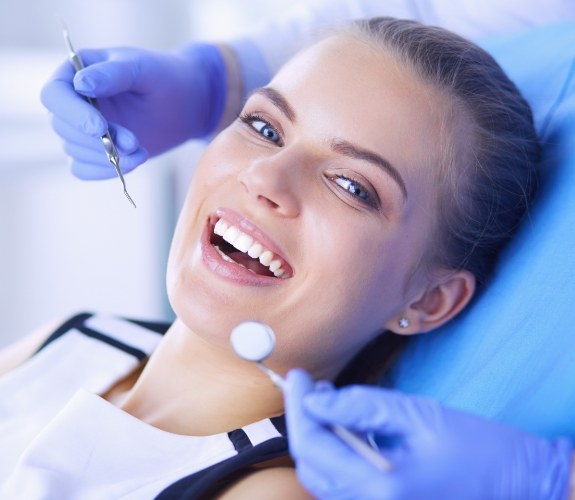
(511, 356)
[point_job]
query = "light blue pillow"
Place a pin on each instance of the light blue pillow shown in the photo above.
(511, 356)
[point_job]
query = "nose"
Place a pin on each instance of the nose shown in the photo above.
(275, 182)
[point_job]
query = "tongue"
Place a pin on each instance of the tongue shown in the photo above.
(249, 263)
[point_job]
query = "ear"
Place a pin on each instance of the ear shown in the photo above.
(436, 305)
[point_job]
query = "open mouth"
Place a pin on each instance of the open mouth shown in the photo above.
(240, 248)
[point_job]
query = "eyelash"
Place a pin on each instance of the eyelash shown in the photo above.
(367, 200)
(250, 118)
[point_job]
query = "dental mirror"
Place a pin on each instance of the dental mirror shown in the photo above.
(255, 341)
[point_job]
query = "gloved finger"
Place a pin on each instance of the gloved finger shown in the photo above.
(310, 441)
(106, 79)
(60, 98)
(94, 56)
(125, 141)
(368, 409)
(93, 80)
(72, 135)
(317, 484)
(325, 452)
(92, 172)
(328, 468)
(90, 164)
(325, 465)
(335, 487)
(97, 171)
(350, 491)
(298, 384)
(119, 70)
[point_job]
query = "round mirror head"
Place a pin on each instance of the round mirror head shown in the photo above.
(253, 341)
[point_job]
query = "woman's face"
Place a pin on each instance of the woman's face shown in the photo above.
(329, 174)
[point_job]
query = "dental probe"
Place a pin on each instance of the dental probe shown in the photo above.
(255, 341)
(109, 147)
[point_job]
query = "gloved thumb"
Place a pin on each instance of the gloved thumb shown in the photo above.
(109, 72)
(104, 79)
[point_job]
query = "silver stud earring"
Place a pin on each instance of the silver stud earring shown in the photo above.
(403, 323)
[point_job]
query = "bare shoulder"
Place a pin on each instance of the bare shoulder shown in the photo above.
(278, 483)
(16, 353)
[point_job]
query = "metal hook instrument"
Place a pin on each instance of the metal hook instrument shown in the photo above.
(109, 146)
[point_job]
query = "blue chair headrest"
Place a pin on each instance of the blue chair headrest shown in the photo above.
(511, 356)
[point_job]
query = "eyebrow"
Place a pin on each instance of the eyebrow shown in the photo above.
(278, 100)
(340, 146)
(348, 149)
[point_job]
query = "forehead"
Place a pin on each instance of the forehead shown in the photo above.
(348, 87)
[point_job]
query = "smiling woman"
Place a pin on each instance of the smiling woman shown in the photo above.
(331, 210)
(307, 184)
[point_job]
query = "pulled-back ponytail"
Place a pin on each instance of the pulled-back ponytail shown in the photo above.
(486, 178)
(487, 181)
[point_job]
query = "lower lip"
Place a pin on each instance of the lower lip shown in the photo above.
(228, 270)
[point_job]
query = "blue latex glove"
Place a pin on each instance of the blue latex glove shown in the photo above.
(151, 101)
(438, 454)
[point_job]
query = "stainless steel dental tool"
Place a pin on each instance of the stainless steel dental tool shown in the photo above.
(108, 143)
(255, 341)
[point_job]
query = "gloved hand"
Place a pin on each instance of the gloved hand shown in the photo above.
(151, 101)
(438, 453)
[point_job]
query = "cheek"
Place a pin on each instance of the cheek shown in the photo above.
(212, 167)
(345, 302)
(221, 156)
(365, 271)
(370, 281)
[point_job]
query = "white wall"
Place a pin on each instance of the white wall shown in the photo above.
(34, 24)
(68, 245)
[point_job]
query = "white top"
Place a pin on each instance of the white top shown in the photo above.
(61, 440)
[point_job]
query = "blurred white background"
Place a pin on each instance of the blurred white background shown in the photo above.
(69, 245)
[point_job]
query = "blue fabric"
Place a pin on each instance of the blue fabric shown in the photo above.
(511, 356)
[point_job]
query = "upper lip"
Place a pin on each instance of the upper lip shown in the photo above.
(249, 228)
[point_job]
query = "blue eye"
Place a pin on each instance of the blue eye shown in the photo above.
(262, 127)
(353, 188)
(266, 130)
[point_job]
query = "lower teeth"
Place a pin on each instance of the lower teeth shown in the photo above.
(224, 256)
(227, 258)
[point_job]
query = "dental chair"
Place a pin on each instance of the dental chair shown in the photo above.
(511, 356)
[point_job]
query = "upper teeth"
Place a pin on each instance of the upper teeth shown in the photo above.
(246, 244)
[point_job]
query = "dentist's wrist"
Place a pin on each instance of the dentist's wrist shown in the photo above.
(235, 87)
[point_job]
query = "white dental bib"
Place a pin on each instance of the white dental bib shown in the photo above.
(59, 439)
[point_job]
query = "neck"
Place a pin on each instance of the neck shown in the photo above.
(192, 387)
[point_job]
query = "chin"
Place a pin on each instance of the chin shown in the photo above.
(201, 311)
